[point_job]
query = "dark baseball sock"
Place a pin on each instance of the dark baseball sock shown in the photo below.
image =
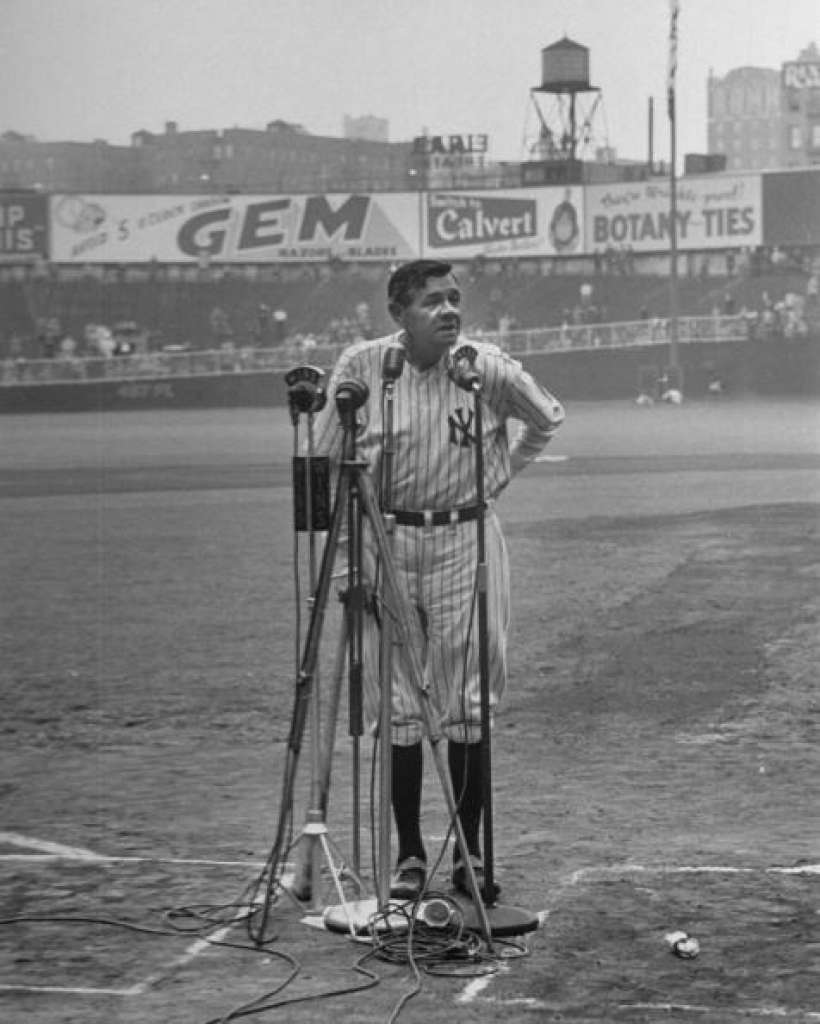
(465, 772)
(407, 765)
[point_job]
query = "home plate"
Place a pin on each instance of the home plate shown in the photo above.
(551, 458)
(362, 917)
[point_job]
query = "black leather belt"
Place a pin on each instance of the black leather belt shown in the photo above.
(437, 517)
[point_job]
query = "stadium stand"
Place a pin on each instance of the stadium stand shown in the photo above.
(262, 306)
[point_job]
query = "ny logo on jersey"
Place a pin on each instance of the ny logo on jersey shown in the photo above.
(461, 423)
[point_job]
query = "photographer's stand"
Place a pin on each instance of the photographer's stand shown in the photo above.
(311, 513)
(355, 497)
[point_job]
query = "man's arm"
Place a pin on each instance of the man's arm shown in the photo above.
(519, 396)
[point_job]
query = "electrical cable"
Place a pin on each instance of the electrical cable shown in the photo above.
(256, 1006)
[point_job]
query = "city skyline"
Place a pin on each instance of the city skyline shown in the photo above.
(78, 70)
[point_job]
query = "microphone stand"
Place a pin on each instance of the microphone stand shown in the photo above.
(354, 613)
(483, 654)
(390, 373)
(502, 920)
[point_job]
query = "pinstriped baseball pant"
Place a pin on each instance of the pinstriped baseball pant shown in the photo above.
(438, 566)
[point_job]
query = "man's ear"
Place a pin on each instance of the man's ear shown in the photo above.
(396, 310)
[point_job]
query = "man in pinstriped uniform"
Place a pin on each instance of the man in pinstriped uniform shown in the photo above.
(434, 498)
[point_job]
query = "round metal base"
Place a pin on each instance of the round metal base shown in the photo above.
(503, 920)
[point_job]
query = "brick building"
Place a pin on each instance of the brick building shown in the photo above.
(760, 118)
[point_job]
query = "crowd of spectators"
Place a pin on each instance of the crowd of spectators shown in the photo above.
(771, 312)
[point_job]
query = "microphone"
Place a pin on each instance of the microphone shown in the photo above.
(351, 395)
(462, 369)
(305, 391)
(393, 363)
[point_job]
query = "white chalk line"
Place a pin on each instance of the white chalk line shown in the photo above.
(78, 990)
(57, 851)
(45, 847)
(191, 953)
(51, 852)
(617, 870)
(752, 1011)
(50, 858)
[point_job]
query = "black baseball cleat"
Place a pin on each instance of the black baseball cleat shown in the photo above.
(409, 879)
(461, 880)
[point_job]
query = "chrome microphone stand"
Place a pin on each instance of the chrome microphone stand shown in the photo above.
(391, 371)
(502, 920)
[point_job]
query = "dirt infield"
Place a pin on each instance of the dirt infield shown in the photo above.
(655, 762)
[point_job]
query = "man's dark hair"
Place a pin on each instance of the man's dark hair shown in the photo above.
(412, 277)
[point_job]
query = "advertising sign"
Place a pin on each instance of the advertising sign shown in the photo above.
(716, 212)
(23, 227)
(233, 229)
(803, 74)
(515, 222)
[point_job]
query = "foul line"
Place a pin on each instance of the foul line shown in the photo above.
(53, 849)
(44, 858)
(57, 851)
(66, 990)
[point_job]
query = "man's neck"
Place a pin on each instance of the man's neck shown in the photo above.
(422, 357)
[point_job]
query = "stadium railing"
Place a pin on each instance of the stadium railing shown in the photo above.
(196, 363)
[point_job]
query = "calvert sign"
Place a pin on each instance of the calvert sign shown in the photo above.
(715, 212)
(531, 222)
(233, 229)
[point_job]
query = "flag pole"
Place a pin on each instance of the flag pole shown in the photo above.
(674, 10)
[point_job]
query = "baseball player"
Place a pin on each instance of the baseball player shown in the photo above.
(434, 500)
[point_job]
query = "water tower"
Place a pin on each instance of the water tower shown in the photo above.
(565, 104)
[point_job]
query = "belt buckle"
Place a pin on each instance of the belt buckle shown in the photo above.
(427, 513)
(455, 519)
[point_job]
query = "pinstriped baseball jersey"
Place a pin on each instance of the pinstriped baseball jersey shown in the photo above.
(433, 468)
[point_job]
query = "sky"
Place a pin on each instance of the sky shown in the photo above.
(86, 69)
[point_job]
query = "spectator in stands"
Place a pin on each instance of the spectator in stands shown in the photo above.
(363, 321)
(812, 286)
(221, 330)
(67, 348)
(280, 327)
(261, 331)
(505, 322)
